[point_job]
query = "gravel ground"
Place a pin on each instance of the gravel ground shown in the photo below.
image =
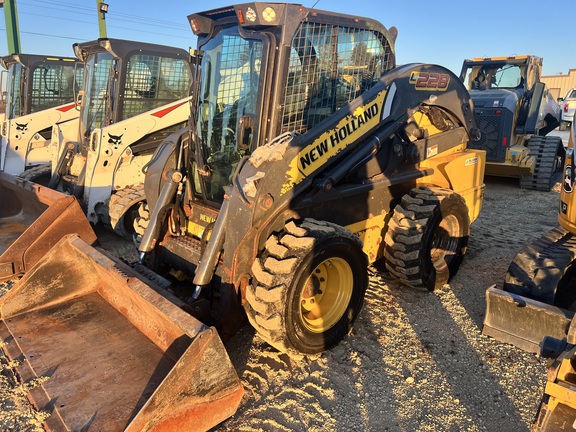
(414, 361)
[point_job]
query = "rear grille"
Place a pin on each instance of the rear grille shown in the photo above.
(490, 127)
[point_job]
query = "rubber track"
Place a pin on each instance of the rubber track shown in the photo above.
(37, 171)
(544, 178)
(405, 231)
(119, 203)
(273, 272)
(538, 268)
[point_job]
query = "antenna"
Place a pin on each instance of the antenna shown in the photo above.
(314, 5)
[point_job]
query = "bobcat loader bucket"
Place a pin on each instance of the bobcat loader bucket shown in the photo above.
(522, 321)
(116, 353)
(32, 220)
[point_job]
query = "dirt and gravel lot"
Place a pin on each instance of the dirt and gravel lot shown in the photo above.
(415, 361)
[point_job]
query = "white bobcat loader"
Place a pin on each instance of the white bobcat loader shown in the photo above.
(135, 95)
(40, 93)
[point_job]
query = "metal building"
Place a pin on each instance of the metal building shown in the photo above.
(560, 84)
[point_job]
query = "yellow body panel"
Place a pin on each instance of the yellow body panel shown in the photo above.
(370, 232)
(459, 170)
(518, 163)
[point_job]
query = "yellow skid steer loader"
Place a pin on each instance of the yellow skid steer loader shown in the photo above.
(538, 298)
(308, 155)
(535, 309)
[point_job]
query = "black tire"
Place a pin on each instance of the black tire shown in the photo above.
(427, 237)
(123, 210)
(39, 174)
(550, 154)
(304, 268)
(141, 222)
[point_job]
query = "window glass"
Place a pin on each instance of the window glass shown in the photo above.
(483, 77)
(96, 102)
(228, 93)
(329, 67)
(13, 106)
(52, 85)
(153, 81)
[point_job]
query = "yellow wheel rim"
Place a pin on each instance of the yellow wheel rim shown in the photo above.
(326, 294)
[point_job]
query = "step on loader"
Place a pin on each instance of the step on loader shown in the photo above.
(40, 93)
(308, 155)
(515, 112)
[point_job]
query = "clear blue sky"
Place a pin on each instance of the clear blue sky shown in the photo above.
(442, 31)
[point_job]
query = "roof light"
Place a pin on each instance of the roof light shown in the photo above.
(269, 14)
(250, 15)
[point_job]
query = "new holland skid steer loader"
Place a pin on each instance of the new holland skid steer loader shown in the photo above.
(515, 112)
(40, 93)
(307, 156)
(334, 159)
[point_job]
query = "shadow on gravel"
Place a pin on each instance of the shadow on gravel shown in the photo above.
(464, 368)
(348, 387)
(510, 219)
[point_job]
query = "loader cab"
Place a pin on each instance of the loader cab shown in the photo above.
(36, 83)
(125, 78)
(267, 69)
